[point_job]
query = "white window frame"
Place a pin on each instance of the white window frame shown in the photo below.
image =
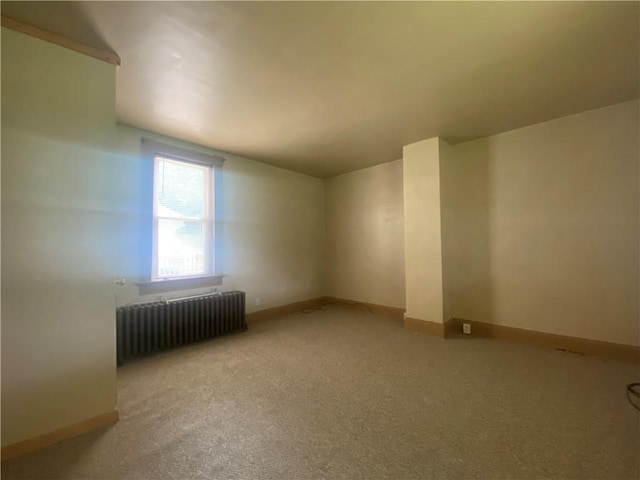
(213, 222)
(207, 222)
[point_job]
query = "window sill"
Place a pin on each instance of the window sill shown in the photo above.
(170, 285)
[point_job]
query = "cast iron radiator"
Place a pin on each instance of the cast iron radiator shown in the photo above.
(151, 327)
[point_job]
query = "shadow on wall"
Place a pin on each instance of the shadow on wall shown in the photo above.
(467, 243)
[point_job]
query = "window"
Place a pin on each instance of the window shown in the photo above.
(182, 219)
(184, 232)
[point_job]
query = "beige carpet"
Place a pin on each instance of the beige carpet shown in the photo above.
(346, 394)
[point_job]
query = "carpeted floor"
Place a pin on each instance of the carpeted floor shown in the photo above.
(346, 394)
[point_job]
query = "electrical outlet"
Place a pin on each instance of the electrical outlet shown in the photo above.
(257, 301)
(466, 328)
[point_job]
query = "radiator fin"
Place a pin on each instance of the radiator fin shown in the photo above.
(152, 327)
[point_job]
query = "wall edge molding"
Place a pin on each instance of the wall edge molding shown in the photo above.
(583, 346)
(61, 41)
(433, 329)
(396, 313)
(452, 329)
(64, 433)
(286, 309)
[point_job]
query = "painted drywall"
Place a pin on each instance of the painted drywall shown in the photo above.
(58, 322)
(365, 235)
(556, 249)
(423, 242)
(465, 231)
(273, 227)
(447, 213)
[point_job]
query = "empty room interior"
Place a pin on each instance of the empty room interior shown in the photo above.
(320, 240)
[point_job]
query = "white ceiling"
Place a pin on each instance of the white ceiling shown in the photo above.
(329, 87)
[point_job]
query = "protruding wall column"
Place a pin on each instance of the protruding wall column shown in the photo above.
(423, 238)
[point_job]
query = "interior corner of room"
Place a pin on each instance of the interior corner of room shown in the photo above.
(529, 233)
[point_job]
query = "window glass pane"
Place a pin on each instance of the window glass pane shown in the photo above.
(181, 248)
(180, 189)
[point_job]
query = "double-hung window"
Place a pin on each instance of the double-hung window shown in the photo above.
(182, 219)
(184, 239)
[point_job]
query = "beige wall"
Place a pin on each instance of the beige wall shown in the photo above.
(559, 250)
(58, 335)
(465, 231)
(423, 243)
(365, 235)
(74, 190)
(536, 228)
(273, 227)
(448, 186)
